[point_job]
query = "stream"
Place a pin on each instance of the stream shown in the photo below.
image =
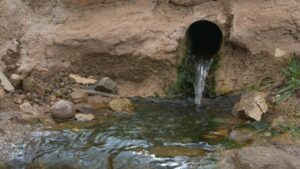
(161, 134)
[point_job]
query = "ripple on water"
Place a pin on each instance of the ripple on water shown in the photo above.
(159, 135)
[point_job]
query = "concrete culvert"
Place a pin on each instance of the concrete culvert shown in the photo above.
(204, 38)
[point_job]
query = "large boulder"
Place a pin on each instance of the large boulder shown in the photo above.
(253, 105)
(63, 109)
(262, 157)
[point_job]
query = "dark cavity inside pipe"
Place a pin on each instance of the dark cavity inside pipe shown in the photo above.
(204, 39)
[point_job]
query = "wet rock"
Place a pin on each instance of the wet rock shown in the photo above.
(79, 96)
(82, 80)
(173, 151)
(106, 85)
(242, 135)
(252, 105)
(6, 83)
(98, 102)
(16, 80)
(262, 157)
(63, 109)
(84, 117)
(121, 105)
(31, 85)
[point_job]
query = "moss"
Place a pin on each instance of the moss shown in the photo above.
(185, 76)
(210, 87)
(184, 85)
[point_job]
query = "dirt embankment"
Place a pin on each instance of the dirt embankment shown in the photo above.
(137, 42)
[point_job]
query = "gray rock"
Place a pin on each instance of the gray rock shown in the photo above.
(252, 105)
(63, 109)
(31, 85)
(106, 85)
(6, 83)
(16, 80)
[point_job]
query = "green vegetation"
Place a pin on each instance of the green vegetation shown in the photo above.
(185, 77)
(262, 84)
(186, 74)
(292, 75)
(210, 86)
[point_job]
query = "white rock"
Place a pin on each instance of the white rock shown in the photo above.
(82, 80)
(252, 105)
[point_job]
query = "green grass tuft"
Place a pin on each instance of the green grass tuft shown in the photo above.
(292, 75)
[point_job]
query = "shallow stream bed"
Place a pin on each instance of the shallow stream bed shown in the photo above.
(161, 134)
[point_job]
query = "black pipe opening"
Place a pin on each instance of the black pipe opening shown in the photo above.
(204, 38)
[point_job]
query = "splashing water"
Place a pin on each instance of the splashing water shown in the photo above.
(201, 72)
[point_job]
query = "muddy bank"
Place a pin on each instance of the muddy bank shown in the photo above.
(137, 42)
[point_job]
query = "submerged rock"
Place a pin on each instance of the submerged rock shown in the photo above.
(242, 135)
(99, 102)
(107, 85)
(63, 109)
(121, 105)
(84, 117)
(173, 151)
(252, 105)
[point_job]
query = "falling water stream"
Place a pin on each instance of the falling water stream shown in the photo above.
(201, 72)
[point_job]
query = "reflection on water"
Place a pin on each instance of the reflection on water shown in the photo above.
(161, 134)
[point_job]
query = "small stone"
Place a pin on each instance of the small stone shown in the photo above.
(267, 134)
(16, 80)
(63, 109)
(107, 85)
(79, 96)
(278, 121)
(279, 53)
(53, 98)
(121, 105)
(84, 117)
(27, 108)
(58, 93)
(18, 100)
(31, 85)
(252, 105)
